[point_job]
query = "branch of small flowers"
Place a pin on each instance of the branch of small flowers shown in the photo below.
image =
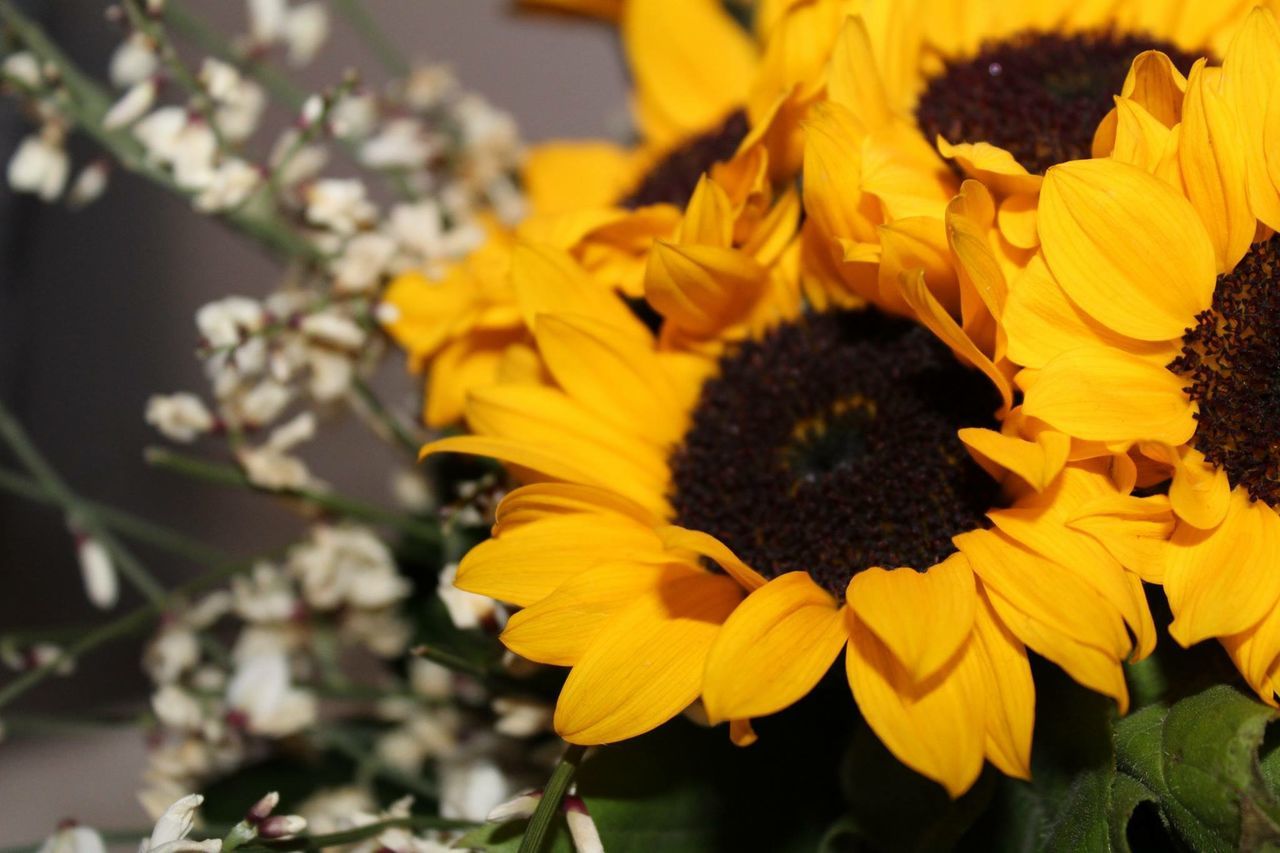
(82, 516)
(536, 834)
(285, 324)
(374, 36)
(85, 103)
(126, 524)
(151, 26)
(190, 25)
(223, 474)
(350, 836)
(367, 760)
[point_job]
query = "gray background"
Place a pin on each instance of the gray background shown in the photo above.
(96, 314)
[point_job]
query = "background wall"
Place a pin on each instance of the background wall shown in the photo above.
(96, 313)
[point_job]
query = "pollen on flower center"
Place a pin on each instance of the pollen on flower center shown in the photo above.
(830, 447)
(673, 179)
(1038, 95)
(1231, 358)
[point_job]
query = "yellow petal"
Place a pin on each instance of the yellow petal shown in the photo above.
(922, 617)
(1100, 394)
(471, 362)
(559, 628)
(706, 545)
(1018, 221)
(1133, 530)
(1038, 462)
(615, 376)
(702, 289)
(691, 62)
(1225, 580)
(993, 166)
(1010, 692)
(854, 81)
(908, 245)
(647, 664)
(1249, 71)
(1212, 155)
(1199, 493)
(1255, 652)
(1142, 141)
(564, 176)
(1044, 591)
(833, 173)
(1041, 322)
(774, 648)
(547, 280)
(1126, 248)
(937, 728)
(539, 501)
(525, 566)
(1155, 84)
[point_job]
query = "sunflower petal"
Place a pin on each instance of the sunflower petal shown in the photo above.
(1010, 691)
(1225, 580)
(1133, 530)
(923, 618)
(854, 82)
(547, 280)
(1037, 462)
(774, 648)
(1249, 71)
(1255, 652)
(1100, 394)
(647, 664)
(937, 728)
(706, 545)
(1200, 492)
(702, 289)
(1126, 247)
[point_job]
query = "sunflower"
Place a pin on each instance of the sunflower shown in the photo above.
(1000, 91)
(718, 511)
(1149, 323)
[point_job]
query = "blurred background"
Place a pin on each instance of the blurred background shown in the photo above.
(96, 314)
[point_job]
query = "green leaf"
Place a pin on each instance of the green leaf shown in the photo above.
(1127, 794)
(505, 838)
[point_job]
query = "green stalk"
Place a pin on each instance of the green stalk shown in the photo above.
(539, 829)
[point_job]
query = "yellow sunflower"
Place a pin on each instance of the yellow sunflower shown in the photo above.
(1002, 91)
(720, 522)
(1148, 324)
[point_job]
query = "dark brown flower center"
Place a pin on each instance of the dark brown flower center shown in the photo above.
(1040, 96)
(673, 179)
(1231, 358)
(830, 447)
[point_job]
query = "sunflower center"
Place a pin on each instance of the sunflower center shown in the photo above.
(1040, 96)
(673, 179)
(830, 447)
(1231, 360)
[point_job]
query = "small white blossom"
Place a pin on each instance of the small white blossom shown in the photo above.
(23, 67)
(180, 417)
(333, 329)
(98, 571)
(429, 679)
(193, 156)
(302, 164)
(173, 827)
(520, 807)
(331, 374)
(520, 717)
(158, 132)
(89, 185)
(240, 102)
(282, 826)
(266, 19)
(466, 609)
(354, 116)
(134, 60)
(263, 403)
(225, 322)
(176, 708)
(263, 596)
(230, 186)
(582, 829)
(305, 29)
(339, 204)
(74, 839)
(261, 690)
(362, 262)
(40, 165)
(132, 105)
(400, 144)
(471, 787)
(270, 466)
(172, 652)
(346, 565)
(429, 85)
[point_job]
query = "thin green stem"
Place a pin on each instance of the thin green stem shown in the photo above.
(539, 829)
(40, 724)
(86, 102)
(222, 474)
(392, 426)
(81, 514)
(374, 36)
(126, 524)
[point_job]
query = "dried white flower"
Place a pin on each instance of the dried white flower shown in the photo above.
(402, 143)
(470, 788)
(282, 826)
(240, 102)
(225, 322)
(176, 708)
(346, 565)
(520, 807)
(582, 829)
(354, 116)
(363, 261)
(305, 29)
(270, 466)
(172, 652)
(265, 596)
(132, 105)
(40, 165)
(261, 690)
(98, 571)
(229, 187)
(521, 717)
(180, 417)
(466, 609)
(23, 67)
(333, 329)
(331, 374)
(339, 204)
(90, 184)
(429, 85)
(429, 679)
(74, 839)
(292, 164)
(175, 824)
(262, 403)
(133, 61)
(266, 19)
(158, 132)
(194, 152)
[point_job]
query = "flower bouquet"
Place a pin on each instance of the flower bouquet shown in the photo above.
(875, 447)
